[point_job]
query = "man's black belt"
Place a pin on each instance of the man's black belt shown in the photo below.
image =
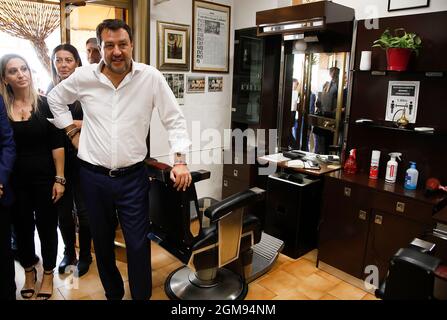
(113, 173)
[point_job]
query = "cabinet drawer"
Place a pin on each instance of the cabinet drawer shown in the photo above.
(231, 186)
(403, 207)
(237, 171)
(350, 193)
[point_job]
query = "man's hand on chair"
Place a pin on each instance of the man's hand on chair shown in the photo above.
(181, 177)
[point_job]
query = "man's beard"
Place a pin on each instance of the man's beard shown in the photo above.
(120, 70)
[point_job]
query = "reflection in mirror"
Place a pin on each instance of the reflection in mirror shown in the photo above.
(319, 93)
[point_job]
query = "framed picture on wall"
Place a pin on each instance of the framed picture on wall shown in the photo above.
(195, 84)
(394, 5)
(176, 82)
(173, 46)
(211, 37)
(215, 84)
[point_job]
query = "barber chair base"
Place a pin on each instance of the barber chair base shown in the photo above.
(182, 284)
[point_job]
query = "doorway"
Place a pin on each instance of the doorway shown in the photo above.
(79, 19)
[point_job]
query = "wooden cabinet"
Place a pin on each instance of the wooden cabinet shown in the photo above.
(365, 222)
(344, 226)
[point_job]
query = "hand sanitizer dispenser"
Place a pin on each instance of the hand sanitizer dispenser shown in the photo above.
(391, 167)
(411, 177)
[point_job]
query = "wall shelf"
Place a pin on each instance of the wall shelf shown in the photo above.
(428, 74)
(390, 126)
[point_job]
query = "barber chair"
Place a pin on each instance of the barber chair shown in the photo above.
(215, 240)
(415, 274)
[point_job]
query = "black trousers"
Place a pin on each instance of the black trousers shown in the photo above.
(33, 207)
(129, 196)
(7, 273)
(73, 199)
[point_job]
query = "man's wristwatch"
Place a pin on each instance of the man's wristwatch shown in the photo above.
(179, 158)
(60, 180)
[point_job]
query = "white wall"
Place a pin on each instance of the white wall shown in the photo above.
(367, 9)
(211, 110)
(245, 10)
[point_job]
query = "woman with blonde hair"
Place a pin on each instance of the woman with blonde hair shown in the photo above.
(37, 178)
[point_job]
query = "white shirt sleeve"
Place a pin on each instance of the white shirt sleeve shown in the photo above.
(171, 116)
(65, 93)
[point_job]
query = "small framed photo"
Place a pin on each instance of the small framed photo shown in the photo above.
(394, 5)
(215, 84)
(196, 84)
(176, 82)
(173, 46)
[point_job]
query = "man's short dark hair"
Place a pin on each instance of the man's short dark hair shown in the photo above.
(92, 40)
(112, 24)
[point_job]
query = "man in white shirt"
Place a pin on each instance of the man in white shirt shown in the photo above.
(118, 97)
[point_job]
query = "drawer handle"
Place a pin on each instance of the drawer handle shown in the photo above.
(347, 192)
(225, 183)
(362, 215)
(235, 173)
(378, 219)
(400, 207)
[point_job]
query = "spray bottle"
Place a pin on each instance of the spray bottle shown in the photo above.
(350, 166)
(391, 167)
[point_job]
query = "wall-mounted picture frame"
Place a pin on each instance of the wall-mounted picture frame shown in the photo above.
(195, 84)
(176, 82)
(173, 46)
(395, 5)
(211, 37)
(215, 84)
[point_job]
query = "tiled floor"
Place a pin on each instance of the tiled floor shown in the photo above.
(288, 280)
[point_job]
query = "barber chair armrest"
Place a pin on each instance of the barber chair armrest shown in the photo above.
(161, 171)
(238, 200)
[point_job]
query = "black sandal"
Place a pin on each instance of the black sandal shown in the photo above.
(44, 295)
(29, 293)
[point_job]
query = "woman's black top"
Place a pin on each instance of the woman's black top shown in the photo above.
(35, 139)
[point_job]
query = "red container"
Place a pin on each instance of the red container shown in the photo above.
(398, 58)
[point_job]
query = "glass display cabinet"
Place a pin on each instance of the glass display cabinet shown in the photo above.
(246, 103)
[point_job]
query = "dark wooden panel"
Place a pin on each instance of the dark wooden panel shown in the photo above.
(343, 235)
(427, 151)
(385, 239)
(431, 27)
(270, 83)
(369, 98)
(331, 11)
(242, 172)
(413, 210)
(232, 186)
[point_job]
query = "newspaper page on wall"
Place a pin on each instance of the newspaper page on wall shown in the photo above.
(211, 37)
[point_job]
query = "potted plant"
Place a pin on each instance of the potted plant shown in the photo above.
(399, 47)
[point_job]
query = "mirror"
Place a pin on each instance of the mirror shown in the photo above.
(317, 83)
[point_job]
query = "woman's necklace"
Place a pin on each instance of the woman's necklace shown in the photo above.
(22, 111)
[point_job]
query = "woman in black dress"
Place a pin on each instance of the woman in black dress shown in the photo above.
(38, 175)
(64, 60)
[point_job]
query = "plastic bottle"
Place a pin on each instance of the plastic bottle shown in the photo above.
(411, 177)
(350, 166)
(391, 167)
(374, 169)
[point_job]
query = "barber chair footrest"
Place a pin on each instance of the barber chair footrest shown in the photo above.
(265, 254)
(228, 286)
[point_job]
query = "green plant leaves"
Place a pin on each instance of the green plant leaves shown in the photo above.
(400, 39)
